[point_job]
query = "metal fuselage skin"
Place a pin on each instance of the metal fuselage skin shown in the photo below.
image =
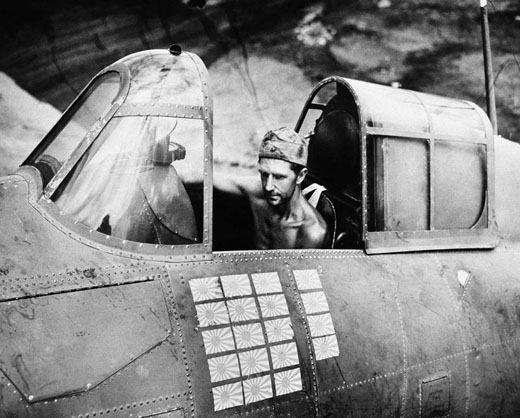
(412, 339)
(87, 330)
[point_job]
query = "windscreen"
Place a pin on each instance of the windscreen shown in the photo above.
(134, 182)
(95, 101)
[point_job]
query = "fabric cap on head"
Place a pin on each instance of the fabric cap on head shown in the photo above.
(284, 144)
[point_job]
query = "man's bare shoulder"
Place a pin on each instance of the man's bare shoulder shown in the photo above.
(315, 233)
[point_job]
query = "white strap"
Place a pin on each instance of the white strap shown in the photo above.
(317, 189)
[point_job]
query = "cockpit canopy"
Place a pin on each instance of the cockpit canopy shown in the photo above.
(415, 170)
(128, 165)
(129, 158)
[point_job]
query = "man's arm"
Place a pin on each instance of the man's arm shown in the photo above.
(249, 185)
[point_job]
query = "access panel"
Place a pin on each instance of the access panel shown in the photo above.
(70, 342)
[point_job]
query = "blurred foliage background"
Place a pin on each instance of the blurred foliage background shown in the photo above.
(265, 56)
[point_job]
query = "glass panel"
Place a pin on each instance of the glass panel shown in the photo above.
(392, 108)
(456, 121)
(400, 187)
(76, 123)
(131, 182)
(406, 185)
(164, 79)
(459, 184)
(434, 100)
(309, 123)
(326, 93)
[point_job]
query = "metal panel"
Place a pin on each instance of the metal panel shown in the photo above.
(176, 413)
(154, 383)
(242, 327)
(460, 185)
(103, 330)
(76, 279)
(401, 241)
(30, 263)
(167, 109)
(366, 318)
(435, 396)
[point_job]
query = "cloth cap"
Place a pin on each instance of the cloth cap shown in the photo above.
(284, 144)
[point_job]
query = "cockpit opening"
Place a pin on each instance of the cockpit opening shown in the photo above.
(331, 121)
(389, 170)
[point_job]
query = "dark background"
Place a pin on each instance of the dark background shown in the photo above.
(53, 48)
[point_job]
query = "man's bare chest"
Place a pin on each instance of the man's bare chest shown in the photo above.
(275, 232)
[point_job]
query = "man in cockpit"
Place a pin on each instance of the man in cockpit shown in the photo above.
(283, 218)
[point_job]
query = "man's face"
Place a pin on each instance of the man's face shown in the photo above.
(278, 180)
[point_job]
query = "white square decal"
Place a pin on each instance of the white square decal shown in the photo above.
(284, 355)
(287, 382)
(255, 361)
(320, 325)
(249, 335)
(266, 283)
(227, 396)
(218, 340)
(325, 347)
(236, 285)
(273, 305)
(315, 302)
(242, 309)
(223, 368)
(257, 389)
(307, 279)
(206, 288)
(279, 330)
(212, 313)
